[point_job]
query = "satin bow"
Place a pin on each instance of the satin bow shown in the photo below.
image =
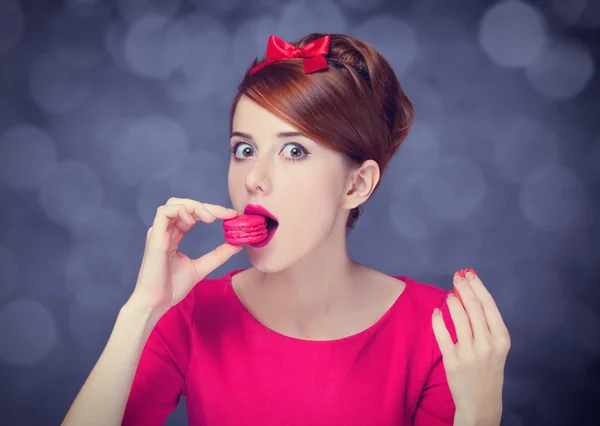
(313, 54)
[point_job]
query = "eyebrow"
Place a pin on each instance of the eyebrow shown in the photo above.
(279, 135)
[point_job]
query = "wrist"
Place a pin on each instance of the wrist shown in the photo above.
(464, 417)
(139, 315)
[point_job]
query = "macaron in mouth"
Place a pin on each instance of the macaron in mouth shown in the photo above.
(272, 222)
(272, 226)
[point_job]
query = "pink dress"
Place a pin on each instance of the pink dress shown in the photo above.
(233, 370)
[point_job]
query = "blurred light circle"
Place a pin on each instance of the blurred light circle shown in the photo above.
(208, 49)
(110, 223)
(72, 194)
(250, 41)
(523, 146)
(202, 176)
(417, 156)
(454, 189)
(361, 5)
(152, 194)
(155, 46)
(89, 8)
(55, 86)
(426, 99)
(562, 70)
(151, 148)
(395, 39)
(9, 272)
(134, 9)
(28, 156)
(594, 157)
(100, 272)
(91, 325)
(409, 218)
(569, 10)
(114, 43)
(74, 37)
(27, 332)
(221, 5)
(11, 25)
(590, 17)
(554, 197)
(512, 33)
(299, 18)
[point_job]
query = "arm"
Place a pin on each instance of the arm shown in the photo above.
(102, 399)
(140, 375)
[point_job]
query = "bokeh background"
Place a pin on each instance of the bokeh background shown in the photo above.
(108, 108)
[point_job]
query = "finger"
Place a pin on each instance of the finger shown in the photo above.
(212, 260)
(460, 319)
(184, 221)
(220, 212)
(195, 208)
(177, 214)
(474, 309)
(215, 210)
(494, 320)
(442, 335)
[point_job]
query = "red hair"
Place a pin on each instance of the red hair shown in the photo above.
(356, 107)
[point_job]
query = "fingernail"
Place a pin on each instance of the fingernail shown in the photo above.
(231, 211)
(456, 295)
(472, 271)
(436, 312)
(461, 273)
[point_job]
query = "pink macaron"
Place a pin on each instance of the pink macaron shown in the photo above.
(245, 229)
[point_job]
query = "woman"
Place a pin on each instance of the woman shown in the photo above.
(306, 335)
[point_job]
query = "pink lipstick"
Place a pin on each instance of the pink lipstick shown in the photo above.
(272, 222)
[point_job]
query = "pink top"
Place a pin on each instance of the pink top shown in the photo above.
(233, 370)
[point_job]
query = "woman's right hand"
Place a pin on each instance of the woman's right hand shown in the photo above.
(166, 275)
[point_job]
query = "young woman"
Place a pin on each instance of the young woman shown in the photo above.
(306, 335)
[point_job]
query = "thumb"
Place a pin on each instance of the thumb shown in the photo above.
(213, 259)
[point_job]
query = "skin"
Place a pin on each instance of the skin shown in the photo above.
(305, 267)
(305, 270)
(475, 363)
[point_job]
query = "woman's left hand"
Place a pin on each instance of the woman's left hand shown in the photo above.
(475, 364)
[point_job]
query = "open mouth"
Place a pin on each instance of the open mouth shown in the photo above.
(271, 228)
(271, 224)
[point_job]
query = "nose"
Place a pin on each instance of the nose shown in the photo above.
(258, 178)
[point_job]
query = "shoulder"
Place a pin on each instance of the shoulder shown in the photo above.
(424, 295)
(422, 299)
(419, 301)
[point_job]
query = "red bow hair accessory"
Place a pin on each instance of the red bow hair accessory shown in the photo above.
(313, 54)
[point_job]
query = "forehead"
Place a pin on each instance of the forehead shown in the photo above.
(251, 117)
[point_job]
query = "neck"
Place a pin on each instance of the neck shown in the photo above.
(317, 286)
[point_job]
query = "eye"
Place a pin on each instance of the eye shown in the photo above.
(245, 153)
(295, 151)
(292, 151)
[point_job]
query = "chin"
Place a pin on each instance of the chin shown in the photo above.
(269, 262)
(266, 266)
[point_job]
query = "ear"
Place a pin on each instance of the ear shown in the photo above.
(361, 184)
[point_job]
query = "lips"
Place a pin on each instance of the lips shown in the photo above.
(258, 209)
(272, 222)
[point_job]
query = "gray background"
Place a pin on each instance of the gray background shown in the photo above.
(107, 108)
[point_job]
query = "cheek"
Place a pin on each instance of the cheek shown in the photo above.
(235, 182)
(314, 204)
